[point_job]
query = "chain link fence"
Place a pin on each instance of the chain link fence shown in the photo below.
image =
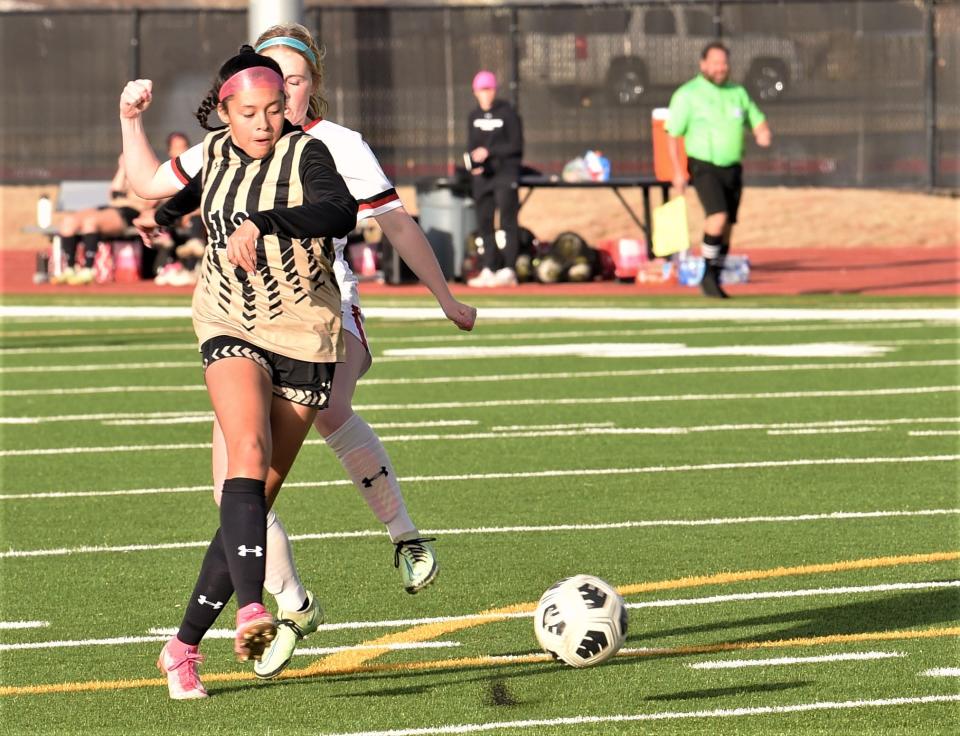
(857, 93)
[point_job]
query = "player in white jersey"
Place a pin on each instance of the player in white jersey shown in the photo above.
(356, 445)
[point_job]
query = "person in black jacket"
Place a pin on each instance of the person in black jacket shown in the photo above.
(495, 145)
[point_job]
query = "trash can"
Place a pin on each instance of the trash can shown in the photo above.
(447, 217)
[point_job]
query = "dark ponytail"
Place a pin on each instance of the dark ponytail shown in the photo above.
(246, 58)
(208, 105)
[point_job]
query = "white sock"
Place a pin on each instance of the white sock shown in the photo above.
(366, 461)
(282, 580)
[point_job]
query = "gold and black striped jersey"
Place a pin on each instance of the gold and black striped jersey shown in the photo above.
(291, 304)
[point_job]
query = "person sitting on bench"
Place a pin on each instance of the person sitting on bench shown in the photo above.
(89, 226)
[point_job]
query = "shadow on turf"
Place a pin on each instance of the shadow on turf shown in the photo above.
(723, 692)
(496, 692)
(904, 611)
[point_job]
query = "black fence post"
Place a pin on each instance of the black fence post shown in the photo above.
(135, 45)
(930, 102)
(515, 57)
(717, 19)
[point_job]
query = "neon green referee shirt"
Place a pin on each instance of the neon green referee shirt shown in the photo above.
(711, 119)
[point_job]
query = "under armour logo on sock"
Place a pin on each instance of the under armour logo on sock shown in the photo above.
(242, 550)
(368, 482)
(204, 601)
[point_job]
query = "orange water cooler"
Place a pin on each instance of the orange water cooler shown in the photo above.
(662, 167)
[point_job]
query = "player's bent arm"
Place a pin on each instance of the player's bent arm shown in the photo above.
(330, 209)
(140, 164)
(406, 236)
(182, 203)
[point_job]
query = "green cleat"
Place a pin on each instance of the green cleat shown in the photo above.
(417, 563)
(292, 626)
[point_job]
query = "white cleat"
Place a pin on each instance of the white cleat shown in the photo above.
(485, 278)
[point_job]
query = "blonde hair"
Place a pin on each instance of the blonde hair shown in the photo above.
(318, 106)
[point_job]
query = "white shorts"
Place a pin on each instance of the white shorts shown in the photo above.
(352, 319)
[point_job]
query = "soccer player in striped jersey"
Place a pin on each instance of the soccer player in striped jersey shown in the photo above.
(351, 439)
(266, 311)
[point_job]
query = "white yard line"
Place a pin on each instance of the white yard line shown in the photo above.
(636, 350)
(933, 433)
(116, 640)
(500, 377)
(10, 625)
(448, 337)
(802, 593)
(399, 646)
(527, 377)
(531, 427)
(98, 367)
(74, 349)
(823, 430)
(761, 710)
(215, 634)
(90, 390)
(733, 664)
(207, 417)
(908, 391)
(164, 417)
(675, 371)
(942, 672)
(515, 529)
(469, 477)
(184, 328)
(534, 432)
(526, 314)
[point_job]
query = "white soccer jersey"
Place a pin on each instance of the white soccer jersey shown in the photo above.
(355, 162)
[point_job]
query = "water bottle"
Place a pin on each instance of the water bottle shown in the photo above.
(736, 270)
(44, 212)
(690, 270)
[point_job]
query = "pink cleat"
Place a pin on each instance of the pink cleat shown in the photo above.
(255, 630)
(178, 661)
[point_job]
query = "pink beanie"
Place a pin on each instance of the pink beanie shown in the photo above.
(484, 80)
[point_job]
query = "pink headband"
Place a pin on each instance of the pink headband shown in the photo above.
(251, 78)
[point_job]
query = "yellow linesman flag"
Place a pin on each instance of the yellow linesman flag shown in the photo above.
(670, 233)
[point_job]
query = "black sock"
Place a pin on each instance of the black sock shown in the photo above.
(91, 242)
(210, 595)
(243, 521)
(68, 246)
(712, 249)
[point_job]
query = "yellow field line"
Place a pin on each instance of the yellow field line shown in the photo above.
(813, 641)
(492, 661)
(351, 662)
(350, 659)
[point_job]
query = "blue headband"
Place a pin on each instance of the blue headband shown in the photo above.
(292, 43)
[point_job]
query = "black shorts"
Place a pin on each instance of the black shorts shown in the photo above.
(718, 187)
(298, 381)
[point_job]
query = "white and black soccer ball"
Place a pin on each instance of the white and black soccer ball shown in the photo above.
(581, 620)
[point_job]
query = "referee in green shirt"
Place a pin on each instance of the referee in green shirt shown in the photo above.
(710, 113)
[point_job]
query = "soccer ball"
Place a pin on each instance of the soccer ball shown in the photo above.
(581, 621)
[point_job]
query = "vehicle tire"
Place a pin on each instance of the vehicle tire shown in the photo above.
(767, 79)
(627, 81)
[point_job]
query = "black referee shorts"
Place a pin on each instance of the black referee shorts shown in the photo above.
(718, 187)
(298, 381)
